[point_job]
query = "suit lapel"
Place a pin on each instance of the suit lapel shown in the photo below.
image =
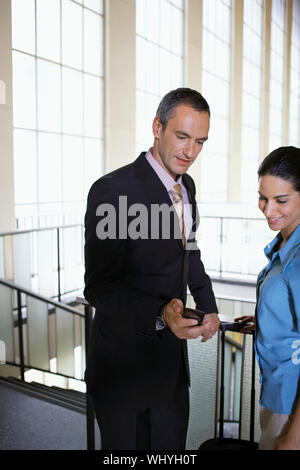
(154, 190)
(150, 183)
(188, 183)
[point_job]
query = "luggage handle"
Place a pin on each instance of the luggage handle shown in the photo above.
(229, 326)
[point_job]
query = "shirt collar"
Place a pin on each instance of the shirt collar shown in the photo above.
(163, 175)
(287, 251)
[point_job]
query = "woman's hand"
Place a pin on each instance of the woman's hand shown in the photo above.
(249, 320)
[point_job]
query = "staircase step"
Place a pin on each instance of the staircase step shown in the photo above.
(45, 393)
(57, 391)
(78, 397)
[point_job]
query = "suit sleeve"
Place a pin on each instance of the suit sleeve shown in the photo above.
(107, 287)
(200, 284)
(198, 281)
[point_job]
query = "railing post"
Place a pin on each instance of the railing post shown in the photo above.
(221, 418)
(221, 245)
(21, 342)
(58, 264)
(252, 408)
(90, 416)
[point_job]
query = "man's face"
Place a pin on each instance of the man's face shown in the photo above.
(177, 146)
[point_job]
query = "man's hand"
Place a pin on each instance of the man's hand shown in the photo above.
(185, 328)
(211, 323)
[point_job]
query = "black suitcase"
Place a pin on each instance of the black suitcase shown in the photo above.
(221, 442)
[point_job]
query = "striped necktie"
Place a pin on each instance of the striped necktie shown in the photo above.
(176, 194)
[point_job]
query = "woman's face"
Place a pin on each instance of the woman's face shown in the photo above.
(280, 204)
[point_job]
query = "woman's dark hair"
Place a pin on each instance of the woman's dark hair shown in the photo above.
(174, 98)
(283, 162)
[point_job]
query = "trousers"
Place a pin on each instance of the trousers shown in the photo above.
(159, 427)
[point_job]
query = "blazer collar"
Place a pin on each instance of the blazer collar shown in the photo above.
(152, 186)
(155, 191)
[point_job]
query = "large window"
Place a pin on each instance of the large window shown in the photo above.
(57, 106)
(216, 89)
(159, 60)
(277, 74)
(294, 78)
(251, 98)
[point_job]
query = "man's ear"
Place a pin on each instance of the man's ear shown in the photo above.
(156, 127)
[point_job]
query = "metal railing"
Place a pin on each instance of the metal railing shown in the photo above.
(230, 246)
(28, 345)
(47, 260)
(233, 246)
(25, 319)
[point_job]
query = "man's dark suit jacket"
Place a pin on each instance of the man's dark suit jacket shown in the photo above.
(129, 281)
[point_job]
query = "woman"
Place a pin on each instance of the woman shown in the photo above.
(277, 338)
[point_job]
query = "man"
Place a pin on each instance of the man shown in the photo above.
(137, 371)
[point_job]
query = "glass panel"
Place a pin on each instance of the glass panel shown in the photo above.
(37, 332)
(233, 243)
(71, 258)
(140, 124)
(26, 215)
(203, 367)
(277, 73)
(152, 23)
(215, 85)
(72, 108)
(164, 67)
(83, 346)
(49, 167)
(93, 39)
(95, 5)
(177, 3)
(73, 212)
(140, 15)
(237, 384)
(6, 324)
(227, 379)
(141, 71)
(71, 34)
(294, 78)
(246, 393)
(48, 29)
(72, 168)
(93, 162)
(177, 32)
(64, 342)
(24, 99)
(49, 100)
(93, 105)
(209, 235)
(165, 24)
(47, 262)
(25, 168)
(22, 260)
(226, 308)
(159, 61)
(152, 80)
(23, 25)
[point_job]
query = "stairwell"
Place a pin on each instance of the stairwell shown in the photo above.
(37, 417)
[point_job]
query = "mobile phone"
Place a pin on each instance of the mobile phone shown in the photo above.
(194, 314)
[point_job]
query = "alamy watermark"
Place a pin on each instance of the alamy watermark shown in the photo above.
(135, 222)
(296, 354)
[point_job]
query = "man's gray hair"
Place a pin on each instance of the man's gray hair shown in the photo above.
(174, 98)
